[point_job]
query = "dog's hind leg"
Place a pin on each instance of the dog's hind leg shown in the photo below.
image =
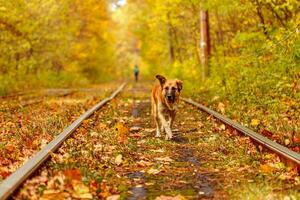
(172, 117)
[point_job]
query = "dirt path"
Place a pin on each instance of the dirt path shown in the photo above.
(115, 155)
(175, 165)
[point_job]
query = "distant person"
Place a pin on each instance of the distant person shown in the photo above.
(136, 72)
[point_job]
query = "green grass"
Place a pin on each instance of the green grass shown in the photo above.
(263, 190)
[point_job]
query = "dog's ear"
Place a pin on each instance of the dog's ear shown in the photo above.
(161, 79)
(179, 85)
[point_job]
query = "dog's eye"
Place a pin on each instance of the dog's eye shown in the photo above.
(166, 88)
(173, 88)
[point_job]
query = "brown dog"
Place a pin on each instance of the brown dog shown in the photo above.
(164, 98)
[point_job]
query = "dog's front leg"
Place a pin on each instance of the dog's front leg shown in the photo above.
(156, 119)
(157, 127)
(166, 125)
(162, 129)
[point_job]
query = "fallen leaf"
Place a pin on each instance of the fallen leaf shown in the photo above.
(149, 184)
(136, 135)
(178, 197)
(212, 138)
(149, 130)
(135, 129)
(98, 147)
(157, 150)
(94, 185)
(143, 163)
(73, 174)
(223, 127)
(267, 133)
(4, 173)
(153, 171)
(94, 134)
(10, 147)
(119, 159)
(139, 186)
(287, 141)
(296, 149)
(81, 191)
(221, 107)
(102, 126)
(296, 140)
(164, 159)
(53, 195)
(123, 132)
(267, 168)
(280, 165)
(43, 143)
(113, 197)
(254, 122)
(4, 161)
(57, 182)
(283, 177)
(104, 190)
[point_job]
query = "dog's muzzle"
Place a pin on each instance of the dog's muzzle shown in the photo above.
(170, 96)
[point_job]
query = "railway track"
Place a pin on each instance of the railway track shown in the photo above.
(35, 99)
(17, 95)
(264, 141)
(10, 184)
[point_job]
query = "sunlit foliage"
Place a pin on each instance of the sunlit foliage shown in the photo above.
(255, 51)
(250, 39)
(42, 41)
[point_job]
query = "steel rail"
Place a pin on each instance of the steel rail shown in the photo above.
(11, 183)
(39, 100)
(277, 148)
(15, 95)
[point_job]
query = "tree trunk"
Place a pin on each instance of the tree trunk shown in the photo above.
(204, 43)
(171, 46)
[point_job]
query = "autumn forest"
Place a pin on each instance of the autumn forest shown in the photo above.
(240, 58)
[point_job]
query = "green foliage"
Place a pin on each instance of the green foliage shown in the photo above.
(52, 42)
(254, 61)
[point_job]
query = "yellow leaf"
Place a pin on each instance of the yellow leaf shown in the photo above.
(143, 163)
(254, 122)
(164, 159)
(119, 159)
(113, 197)
(221, 107)
(53, 195)
(287, 141)
(123, 132)
(178, 197)
(81, 191)
(153, 171)
(266, 168)
(223, 127)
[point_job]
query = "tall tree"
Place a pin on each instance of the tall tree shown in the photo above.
(204, 43)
